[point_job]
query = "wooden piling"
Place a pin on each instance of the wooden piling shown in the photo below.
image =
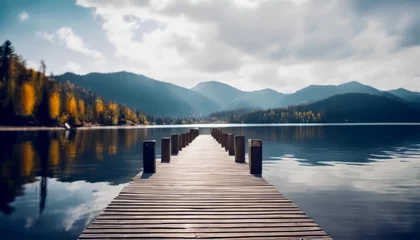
(187, 138)
(226, 141)
(239, 149)
(255, 156)
(183, 138)
(222, 139)
(149, 156)
(231, 144)
(165, 149)
(180, 142)
(174, 144)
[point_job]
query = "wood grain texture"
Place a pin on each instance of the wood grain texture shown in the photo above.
(202, 193)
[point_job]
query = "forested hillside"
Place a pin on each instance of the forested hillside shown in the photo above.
(154, 97)
(350, 107)
(29, 97)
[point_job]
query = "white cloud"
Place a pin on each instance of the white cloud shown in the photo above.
(75, 43)
(73, 67)
(67, 37)
(45, 36)
(285, 45)
(23, 16)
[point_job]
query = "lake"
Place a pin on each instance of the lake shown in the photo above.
(355, 181)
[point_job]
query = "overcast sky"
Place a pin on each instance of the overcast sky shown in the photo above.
(250, 44)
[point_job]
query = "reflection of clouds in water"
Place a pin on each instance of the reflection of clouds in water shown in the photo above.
(395, 175)
(29, 222)
(382, 195)
(66, 204)
(100, 196)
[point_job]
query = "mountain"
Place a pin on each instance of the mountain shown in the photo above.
(230, 98)
(221, 93)
(148, 95)
(409, 96)
(315, 93)
(361, 107)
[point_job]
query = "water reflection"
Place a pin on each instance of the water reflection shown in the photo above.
(350, 179)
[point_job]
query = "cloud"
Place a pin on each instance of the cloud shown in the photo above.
(45, 36)
(251, 44)
(76, 43)
(23, 16)
(73, 67)
(67, 37)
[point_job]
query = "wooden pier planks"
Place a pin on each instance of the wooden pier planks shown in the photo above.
(202, 193)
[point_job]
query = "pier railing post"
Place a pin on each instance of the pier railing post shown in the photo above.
(191, 135)
(239, 149)
(184, 138)
(231, 144)
(180, 142)
(187, 138)
(255, 156)
(222, 139)
(165, 149)
(226, 141)
(149, 156)
(174, 144)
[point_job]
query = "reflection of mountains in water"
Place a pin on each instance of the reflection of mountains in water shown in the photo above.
(318, 145)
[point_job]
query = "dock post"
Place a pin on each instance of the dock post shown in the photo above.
(187, 138)
(180, 142)
(239, 149)
(197, 132)
(231, 144)
(183, 140)
(226, 141)
(149, 156)
(255, 156)
(222, 137)
(165, 151)
(192, 135)
(174, 144)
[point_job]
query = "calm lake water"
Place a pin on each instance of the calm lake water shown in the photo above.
(357, 182)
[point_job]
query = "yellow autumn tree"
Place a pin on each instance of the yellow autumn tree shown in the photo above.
(81, 108)
(112, 113)
(71, 106)
(54, 105)
(27, 99)
(99, 108)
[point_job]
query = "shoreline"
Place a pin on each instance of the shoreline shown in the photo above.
(204, 125)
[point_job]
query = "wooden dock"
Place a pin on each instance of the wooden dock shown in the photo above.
(202, 193)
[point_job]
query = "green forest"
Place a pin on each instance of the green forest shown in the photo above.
(291, 114)
(29, 98)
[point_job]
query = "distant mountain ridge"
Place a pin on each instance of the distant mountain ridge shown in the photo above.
(151, 96)
(165, 99)
(230, 98)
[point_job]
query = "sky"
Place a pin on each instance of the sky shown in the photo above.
(250, 44)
